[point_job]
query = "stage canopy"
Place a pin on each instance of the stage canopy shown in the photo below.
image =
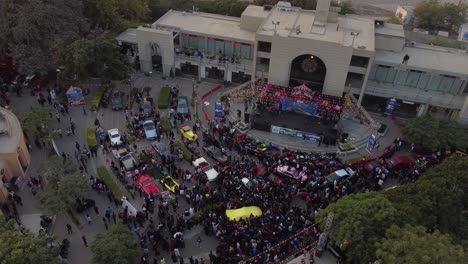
(302, 90)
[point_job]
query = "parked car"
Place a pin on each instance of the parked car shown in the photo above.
(170, 183)
(84, 204)
(117, 153)
(243, 213)
(187, 133)
(162, 149)
(117, 101)
(371, 166)
(147, 106)
(291, 172)
(128, 161)
(147, 184)
(209, 171)
(106, 97)
(399, 162)
(39, 83)
(114, 137)
(27, 81)
(216, 154)
(182, 105)
(340, 174)
(150, 129)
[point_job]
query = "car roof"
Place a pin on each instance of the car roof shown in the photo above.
(113, 130)
(186, 128)
(148, 121)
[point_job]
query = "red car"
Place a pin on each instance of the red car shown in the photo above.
(147, 184)
(291, 172)
(399, 162)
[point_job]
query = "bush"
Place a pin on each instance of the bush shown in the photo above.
(165, 124)
(96, 101)
(131, 98)
(91, 138)
(186, 152)
(105, 176)
(164, 96)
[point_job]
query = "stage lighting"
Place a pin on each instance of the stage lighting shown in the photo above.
(311, 56)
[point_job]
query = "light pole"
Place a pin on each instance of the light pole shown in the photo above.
(354, 34)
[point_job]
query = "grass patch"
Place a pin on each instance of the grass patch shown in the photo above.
(105, 176)
(96, 101)
(165, 124)
(91, 138)
(187, 154)
(164, 96)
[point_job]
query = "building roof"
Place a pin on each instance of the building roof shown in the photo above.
(390, 30)
(296, 19)
(255, 11)
(10, 131)
(428, 57)
(128, 36)
(206, 24)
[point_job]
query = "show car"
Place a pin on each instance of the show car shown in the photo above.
(128, 161)
(187, 133)
(340, 174)
(399, 162)
(150, 129)
(209, 171)
(117, 101)
(162, 149)
(291, 172)
(147, 106)
(216, 154)
(170, 183)
(182, 105)
(147, 184)
(114, 137)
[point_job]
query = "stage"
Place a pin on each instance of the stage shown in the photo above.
(264, 121)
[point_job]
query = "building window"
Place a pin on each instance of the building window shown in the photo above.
(359, 61)
(264, 46)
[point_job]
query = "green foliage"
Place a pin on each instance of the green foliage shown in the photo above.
(17, 248)
(223, 7)
(436, 133)
(304, 4)
(346, 7)
(165, 124)
(413, 245)
(164, 96)
(112, 14)
(117, 246)
(105, 176)
(160, 7)
(96, 101)
(187, 154)
(91, 138)
(64, 185)
(360, 221)
(437, 199)
(99, 57)
(432, 15)
(34, 120)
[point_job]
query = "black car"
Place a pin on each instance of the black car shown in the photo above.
(217, 154)
(182, 106)
(106, 97)
(148, 106)
(117, 101)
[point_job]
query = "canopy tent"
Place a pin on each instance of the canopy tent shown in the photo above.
(302, 90)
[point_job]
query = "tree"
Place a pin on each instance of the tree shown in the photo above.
(35, 121)
(133, 10)
(454, 16)
(304, 4)
(413, 245)
(432, 15)
(436, 133)
(360, 220)
(223, 7)
(19, 248)
(64, 185)
(346, 7)
(116, 246)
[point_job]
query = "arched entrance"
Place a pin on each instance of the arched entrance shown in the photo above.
(156, 58)
(308, 69)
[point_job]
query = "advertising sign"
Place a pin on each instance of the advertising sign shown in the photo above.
(392, 102)
(283, 131)
(302, 107)
(75, 96)
(218, 110)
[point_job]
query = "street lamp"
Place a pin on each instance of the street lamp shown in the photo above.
(354, 34)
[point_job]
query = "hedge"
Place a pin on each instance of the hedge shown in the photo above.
(164, 96)
(106, 177)
(187, 154)
(165, 124)
(91, 138)
(96, 101)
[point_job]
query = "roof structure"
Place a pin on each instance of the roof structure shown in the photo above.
(128, 36)
(10, 131)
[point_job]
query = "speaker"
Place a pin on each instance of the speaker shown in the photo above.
(246, 118)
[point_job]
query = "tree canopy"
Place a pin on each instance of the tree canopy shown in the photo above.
(304, 4)
(117, 246)
(64, 185)
(413, 245)
(436, 133)
(19, 248)
(35, 121)
(433, 15)
(222, 7)
(360, 220)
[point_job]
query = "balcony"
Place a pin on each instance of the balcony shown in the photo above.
(232, 62)
(406, 93)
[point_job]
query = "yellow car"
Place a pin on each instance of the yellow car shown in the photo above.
(169, 183)
(243, 213)
(187, 133)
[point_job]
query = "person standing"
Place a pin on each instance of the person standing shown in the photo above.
(85, 242)
(199, 240)
(69, 229)
(88, 218)
(57, 116)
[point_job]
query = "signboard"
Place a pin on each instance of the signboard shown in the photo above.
(308, 136)
(283, 131)
(302, 107)
(75, 96)
(392, 102)
(218, 110)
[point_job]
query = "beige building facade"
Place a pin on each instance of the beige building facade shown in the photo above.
(14, 153)
(330, 53)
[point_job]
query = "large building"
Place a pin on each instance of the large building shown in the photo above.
(14, 154)
(331, 53)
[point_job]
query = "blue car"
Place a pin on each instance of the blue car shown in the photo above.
(150, 129)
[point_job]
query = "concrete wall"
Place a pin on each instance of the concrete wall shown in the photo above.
(463, 116)
(391, 43)
(335, 56)
(250, 23)
(146, 36)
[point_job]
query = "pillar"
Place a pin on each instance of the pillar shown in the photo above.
(423, 108)
(364, 83)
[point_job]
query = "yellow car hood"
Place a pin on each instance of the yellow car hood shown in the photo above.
(243, 213)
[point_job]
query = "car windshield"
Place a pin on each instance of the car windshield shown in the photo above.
(126, 157)
(186, 128)
(115, 135)
(149, 126)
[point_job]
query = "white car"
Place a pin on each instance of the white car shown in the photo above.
(210, 173)
(114, 137)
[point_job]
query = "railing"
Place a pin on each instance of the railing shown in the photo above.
(214, 60)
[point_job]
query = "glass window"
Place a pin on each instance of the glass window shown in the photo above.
(391, 75)
(228, 48)
(446, 84)
(401, 77)
(211, 46)
(381, 73)
(434, 84)
(423, 81)
(456, 87)
(372, 73)
(359, 61)
(246, 52)
(220, 47)
(413, 78)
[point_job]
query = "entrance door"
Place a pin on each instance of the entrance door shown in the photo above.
(240, 77)
(189, 68)
(214, 73)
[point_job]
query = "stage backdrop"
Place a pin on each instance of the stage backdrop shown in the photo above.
(307, 108)
(295, 133)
